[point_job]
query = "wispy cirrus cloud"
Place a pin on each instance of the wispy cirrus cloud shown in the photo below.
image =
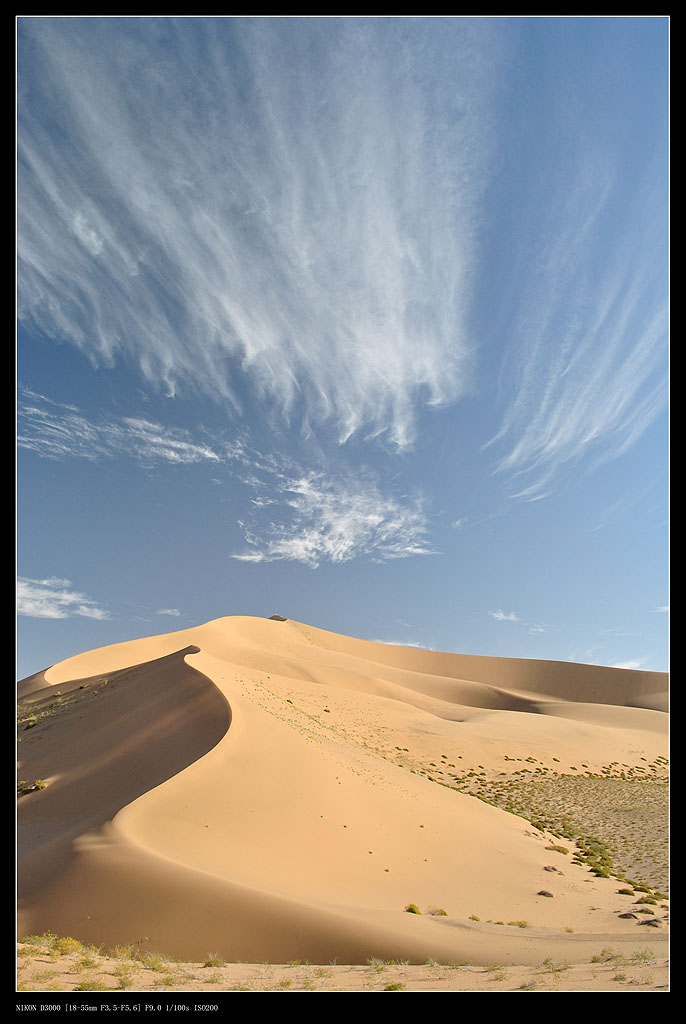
(585, 372)
(318, 519)
(300, 217)
(57, 431)
(53, 598)
(292, 513)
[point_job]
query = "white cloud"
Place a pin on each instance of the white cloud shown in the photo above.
(335, 520)
(301, 215)
(662, 609)
(403, 643)
(632, 663)
(168, 611)
(312, 517)
(587, 362)
(52, 599)
(57, 431)
(502, 617)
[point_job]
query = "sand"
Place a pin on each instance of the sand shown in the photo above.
(266, 792)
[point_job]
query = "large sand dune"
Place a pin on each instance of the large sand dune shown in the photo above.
(268, 791)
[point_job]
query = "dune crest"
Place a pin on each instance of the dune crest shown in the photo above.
(269, 790)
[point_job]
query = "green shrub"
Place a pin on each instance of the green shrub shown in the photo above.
(412, 908)
(68, 945)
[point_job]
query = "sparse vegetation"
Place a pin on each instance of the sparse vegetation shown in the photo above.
(30, 787)
(214, 961)
(605, 956)
(644, 956)
(625, 807)
(65, 971)
(554, 968)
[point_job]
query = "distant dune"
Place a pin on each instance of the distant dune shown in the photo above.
(266, 790)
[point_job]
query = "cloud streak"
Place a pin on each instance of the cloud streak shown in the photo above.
(300, 216)
(56, 431)
(293, 514)
(52, 598)
(587, 368)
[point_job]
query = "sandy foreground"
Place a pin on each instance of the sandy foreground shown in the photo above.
(308, 811)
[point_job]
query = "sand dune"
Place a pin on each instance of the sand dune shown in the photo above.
(268, 791)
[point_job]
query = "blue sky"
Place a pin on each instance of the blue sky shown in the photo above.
(358, 320)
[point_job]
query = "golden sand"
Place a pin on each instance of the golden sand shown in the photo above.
(269, 792)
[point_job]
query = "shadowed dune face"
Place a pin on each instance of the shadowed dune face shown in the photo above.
(268, 790)
(99, 744)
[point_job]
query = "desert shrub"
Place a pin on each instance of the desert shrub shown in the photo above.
(605, 956)
(553, 967)
(166, 981)
(122, 952)
(124, 975)
(214, 961)
(642, 956)
(68, 945)
(412, 908)
(30, 787)
(46, 940)
(154, 962)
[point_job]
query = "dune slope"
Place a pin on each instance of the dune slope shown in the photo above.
(269, 791)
